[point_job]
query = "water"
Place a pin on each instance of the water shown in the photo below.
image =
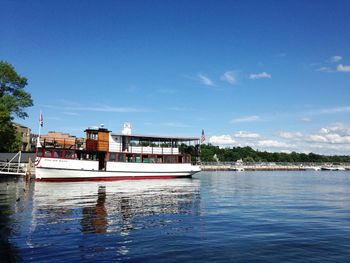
(214, 217)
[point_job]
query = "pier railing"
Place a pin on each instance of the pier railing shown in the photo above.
(14, 167)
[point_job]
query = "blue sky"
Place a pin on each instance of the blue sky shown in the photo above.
(273, 75)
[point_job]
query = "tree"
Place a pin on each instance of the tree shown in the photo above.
(13, 100)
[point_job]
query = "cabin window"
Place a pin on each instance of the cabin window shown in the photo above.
(145, 158)
(137, 158)
(159, 159)
(57, 153)
(92, 136)
(129, 158)
(121, 157)
(40, 152)
(112, 156)
(152, 158)
(47, 153)
(69, 154)
(134, 142)
(169, 159)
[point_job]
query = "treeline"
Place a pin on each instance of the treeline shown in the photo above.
(211, 153)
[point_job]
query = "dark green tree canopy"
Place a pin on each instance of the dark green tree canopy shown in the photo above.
(13, 100)
(13, 97)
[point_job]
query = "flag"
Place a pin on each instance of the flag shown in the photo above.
(41, 120)
(202, 137)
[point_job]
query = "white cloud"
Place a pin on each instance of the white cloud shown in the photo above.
(205, 80)
(274, 144)
(331, 140)
(336, 58)
(71, 113)
(246, 119)
(343, 109)
(343, 68)
(222, 140)
(246, 135)
(324, 69)
(336, 134)
(289, 135)
(262, 75)
(230, 77)
(317, 138)
(305, 119)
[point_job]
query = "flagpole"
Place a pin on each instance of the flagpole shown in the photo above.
(40, 125)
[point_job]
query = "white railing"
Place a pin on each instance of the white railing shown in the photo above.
(14, 168)
(152, 150)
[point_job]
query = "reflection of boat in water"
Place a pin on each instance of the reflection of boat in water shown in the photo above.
(114, 206)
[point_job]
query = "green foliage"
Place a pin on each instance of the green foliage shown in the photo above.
(247, 154)
(12, 93)
(10, 140)
(13, 100)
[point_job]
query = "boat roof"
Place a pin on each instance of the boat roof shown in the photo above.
(157, 137)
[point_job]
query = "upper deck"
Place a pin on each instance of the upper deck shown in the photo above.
(105, 141)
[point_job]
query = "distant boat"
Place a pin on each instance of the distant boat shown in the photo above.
(237, 168)
(312, 168)
(332, 168)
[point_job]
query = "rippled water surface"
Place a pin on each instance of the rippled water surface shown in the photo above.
(214, 217)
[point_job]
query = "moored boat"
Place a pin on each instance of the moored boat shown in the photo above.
(115, 156)
(312, 168)
(333, 168)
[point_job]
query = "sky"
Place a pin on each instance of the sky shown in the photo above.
(273, 75)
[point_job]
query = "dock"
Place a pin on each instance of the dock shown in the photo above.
(17, 166)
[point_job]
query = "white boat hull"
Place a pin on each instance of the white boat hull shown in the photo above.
(49, 169)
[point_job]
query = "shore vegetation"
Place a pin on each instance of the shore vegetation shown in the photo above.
(13, 102)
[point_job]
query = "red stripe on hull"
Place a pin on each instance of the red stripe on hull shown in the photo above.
(107, 178)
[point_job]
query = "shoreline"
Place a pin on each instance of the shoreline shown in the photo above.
(224, 167)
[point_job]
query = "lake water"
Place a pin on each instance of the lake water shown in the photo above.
(214, 217)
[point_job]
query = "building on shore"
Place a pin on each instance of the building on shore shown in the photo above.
(29, 140)
(65, 139)
(26, 138)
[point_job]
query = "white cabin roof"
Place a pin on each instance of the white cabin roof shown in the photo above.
(157, 137)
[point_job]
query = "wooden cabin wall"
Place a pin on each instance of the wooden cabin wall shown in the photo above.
(103, 141)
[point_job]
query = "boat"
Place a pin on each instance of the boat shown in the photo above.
(333, 168)
(312, 168)
(105, 155)
(237, 168)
